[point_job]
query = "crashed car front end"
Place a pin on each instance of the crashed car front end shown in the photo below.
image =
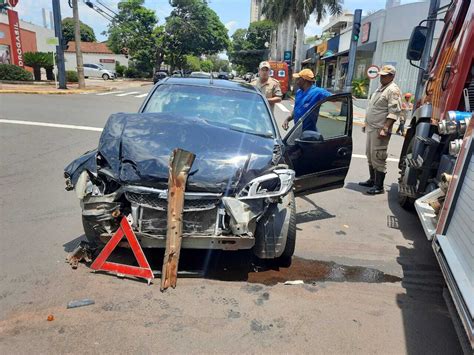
(232, 201)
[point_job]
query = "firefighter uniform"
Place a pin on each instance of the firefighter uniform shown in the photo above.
(385, 103)
(270, 88)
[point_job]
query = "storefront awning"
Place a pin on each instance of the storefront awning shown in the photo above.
(328, 54)
(309, 61)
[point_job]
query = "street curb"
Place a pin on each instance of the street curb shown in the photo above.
(49, 92)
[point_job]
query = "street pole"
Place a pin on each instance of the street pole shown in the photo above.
(77, 38)
(59, 48)
(353, 49)
(425, 57)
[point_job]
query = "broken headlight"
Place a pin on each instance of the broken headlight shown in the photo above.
(275, 184)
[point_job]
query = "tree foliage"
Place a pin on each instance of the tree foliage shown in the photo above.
(87, 33)
(38, 60)
(249, 45)
(192, 29)
(133, 30)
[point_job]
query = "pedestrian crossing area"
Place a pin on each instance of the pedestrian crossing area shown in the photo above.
(122, 93)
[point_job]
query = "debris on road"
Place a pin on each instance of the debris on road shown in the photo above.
(82, 252)
(295, 282)
(50, 318)
(179, 167)
(80, 303)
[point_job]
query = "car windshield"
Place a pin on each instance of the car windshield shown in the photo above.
(232, 109)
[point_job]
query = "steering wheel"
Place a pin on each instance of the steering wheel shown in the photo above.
(239, 122)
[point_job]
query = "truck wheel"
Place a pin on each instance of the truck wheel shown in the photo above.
(92, 234)
(285, 259)
(407, 203)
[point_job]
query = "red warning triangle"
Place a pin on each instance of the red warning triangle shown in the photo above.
(101, 263)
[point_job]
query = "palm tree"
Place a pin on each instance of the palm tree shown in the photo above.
(299, 11)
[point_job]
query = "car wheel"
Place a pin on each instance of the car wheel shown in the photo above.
(105, 76)
(285, 259)
(92, 233)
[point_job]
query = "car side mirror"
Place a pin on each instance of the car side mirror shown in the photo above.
(417, 43)
(310, 137)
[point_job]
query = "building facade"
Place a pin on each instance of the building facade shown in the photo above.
(256, 10)
(93, 53)
(383, 40)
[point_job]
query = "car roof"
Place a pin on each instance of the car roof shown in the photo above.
(224, 84)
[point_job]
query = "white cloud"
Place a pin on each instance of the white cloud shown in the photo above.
(231, 26)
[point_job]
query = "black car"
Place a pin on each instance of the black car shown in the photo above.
(159, 75)
(241, 190)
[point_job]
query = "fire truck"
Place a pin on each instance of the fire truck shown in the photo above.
(437, 161)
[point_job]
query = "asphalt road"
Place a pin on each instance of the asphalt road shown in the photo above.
(373, 284)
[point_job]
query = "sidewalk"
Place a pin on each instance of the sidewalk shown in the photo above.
(92, 85)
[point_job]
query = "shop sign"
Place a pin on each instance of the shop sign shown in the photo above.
(12, 3)
(365, 32)
(52, 41)
(323, 47)
(107, 60)
(17, 48)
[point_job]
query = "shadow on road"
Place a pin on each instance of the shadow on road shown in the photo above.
(315, 214)
(424, 312)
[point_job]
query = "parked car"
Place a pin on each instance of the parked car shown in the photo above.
(248, 77)
(98, 71)
(240, 193)
(223, 76)
(159, 75)
(200, 75)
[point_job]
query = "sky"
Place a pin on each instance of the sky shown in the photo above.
(233, 13)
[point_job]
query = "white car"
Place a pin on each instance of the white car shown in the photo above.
(98, 71)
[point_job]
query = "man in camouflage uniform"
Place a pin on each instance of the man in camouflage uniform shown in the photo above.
(268, 86)
(383, 110)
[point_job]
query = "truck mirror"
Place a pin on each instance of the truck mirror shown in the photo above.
(417, 43)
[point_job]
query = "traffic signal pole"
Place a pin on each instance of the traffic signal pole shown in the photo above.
(353, 49)
(59, 48)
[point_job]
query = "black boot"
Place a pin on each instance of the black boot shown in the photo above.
(378, 186)
(370, 182)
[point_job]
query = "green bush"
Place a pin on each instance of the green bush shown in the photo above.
(71, 76)
(37, 60)
(360, 88)
(120, 69)
(132, 72)
(12, 72)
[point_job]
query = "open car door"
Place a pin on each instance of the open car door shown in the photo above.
(320, 150)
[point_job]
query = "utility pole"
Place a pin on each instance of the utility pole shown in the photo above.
(353, 49)
(77, 38)
(59, 48)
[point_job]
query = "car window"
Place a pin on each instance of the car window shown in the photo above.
(233, 109)
(87, 65)
(325, 121)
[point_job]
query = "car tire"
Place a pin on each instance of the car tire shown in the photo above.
(105, 76)
(92, 233)
(286, 257)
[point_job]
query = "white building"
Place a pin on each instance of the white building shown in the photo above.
(93, 53)
(256, 10)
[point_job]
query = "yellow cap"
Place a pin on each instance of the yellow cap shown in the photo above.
(387, 69)
(306, 74)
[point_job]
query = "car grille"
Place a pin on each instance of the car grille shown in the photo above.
(154, 201)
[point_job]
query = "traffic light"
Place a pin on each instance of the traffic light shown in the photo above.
(355, 31)
(64, 44)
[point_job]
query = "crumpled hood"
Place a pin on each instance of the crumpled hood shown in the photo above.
(137, 147)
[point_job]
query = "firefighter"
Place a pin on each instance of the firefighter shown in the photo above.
(383, 110)
(407, 107)
(267, 85)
